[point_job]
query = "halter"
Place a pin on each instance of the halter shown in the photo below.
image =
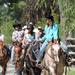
(51, 52)
(54, 55)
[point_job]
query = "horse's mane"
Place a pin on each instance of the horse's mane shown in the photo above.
(17, 43)
(49, 46)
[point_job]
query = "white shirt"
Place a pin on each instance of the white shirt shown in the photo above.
(17, 35)
(14, 35)
(1, 37)
(28, 37)
(20, 34)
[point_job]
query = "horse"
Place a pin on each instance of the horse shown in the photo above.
(31, 68)
(19, 60)
(3, 57)
(53, 61)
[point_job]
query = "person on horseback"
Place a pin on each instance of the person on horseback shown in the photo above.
(50, 36)
(17, 35)
(28, 37)
(38, 33)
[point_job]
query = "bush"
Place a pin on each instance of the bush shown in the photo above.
(7, 30)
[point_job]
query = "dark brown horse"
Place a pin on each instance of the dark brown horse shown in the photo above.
(31, 68)
(3, 58)
(18, 60)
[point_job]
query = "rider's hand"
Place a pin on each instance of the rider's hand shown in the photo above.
(40, 39)
(55, 42)
(50, 43)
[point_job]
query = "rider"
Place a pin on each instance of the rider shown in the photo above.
(28, 37)
(51, 33)
(38, 33)
(17, 35)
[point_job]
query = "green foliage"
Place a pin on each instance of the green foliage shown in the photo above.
(7, 29)
(8, 15)
(72, 71)
(21, 4)
(41, 22)
(68, 9)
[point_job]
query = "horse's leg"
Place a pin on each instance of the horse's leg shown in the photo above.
(44, 72)
(52, 71)
(24, 68)
(31, 72)
(59, 70)
(4, 69)
(18, 72)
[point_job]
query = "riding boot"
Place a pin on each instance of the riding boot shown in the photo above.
(8, 51)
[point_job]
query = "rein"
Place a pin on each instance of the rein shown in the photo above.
(52, 53)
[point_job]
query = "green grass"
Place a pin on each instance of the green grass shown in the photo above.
(71, 71)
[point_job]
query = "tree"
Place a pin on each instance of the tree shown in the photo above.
(67, 15)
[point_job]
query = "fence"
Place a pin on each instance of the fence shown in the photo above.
(71, 47)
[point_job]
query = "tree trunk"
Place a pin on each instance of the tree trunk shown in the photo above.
(62, 20)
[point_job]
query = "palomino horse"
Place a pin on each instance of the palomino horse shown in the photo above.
(3, 58)
(53, 61)
(18, 60)
(31, 68)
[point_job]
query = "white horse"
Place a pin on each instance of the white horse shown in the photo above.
(53, 61)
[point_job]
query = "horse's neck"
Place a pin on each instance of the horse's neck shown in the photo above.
(2, 51)
(61, 54)
(1, 47)
(48, 50)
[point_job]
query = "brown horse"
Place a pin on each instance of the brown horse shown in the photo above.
(18, 60)
(54, 61)
(3, 58)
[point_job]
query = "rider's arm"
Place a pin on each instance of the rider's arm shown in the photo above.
(55, 33)
(44, 37)
(14, 36)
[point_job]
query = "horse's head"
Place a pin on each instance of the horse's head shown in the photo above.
(17, 45)
(17, 49)
(56, 50)
(1, 45)
(3, 53)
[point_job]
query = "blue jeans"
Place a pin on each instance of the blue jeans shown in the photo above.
(8, 50)
(64, 47)
(42, 50)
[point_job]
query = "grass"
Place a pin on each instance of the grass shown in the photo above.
(71, 71)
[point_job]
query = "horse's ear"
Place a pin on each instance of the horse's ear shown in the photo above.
(19, 44)
(1, 43)
(59, 40)
(48, 47)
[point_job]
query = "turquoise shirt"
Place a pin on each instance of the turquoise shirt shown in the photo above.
(29, 37)
(50, 32)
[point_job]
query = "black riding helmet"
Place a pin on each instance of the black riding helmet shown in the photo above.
(50, 17)
(30, 26)
(18, 25)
